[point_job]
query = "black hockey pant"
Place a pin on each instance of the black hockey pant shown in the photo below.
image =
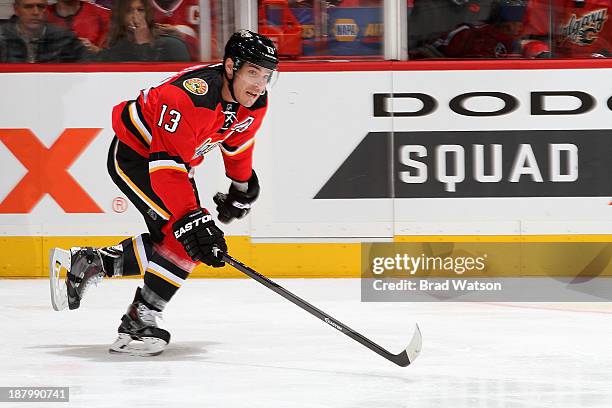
(162, 277)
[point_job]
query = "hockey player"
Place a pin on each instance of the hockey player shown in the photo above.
(160, 137)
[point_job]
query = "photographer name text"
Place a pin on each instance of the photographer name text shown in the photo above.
(436, 285)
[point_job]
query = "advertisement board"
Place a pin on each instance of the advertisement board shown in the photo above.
(345, 155)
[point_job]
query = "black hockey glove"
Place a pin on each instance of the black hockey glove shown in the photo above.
(236, 203)
(198, 234)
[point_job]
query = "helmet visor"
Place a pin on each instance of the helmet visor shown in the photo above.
(256, 75)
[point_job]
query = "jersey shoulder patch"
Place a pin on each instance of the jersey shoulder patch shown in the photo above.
(202, 86)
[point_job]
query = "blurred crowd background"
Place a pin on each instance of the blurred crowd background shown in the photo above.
(195, 30)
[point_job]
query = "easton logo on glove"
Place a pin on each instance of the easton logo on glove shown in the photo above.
(237, 202)
(200, 237)
(192, 224)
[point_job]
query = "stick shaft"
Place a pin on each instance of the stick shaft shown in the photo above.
(270, 284)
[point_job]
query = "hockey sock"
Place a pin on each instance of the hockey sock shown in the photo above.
(134, 259)
(162, 279)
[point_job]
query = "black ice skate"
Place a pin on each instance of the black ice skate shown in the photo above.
(83, 266)
(139, 324)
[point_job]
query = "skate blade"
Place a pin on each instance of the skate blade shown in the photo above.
(148, 347)
(59, 265)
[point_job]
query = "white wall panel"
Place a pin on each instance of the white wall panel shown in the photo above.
(315, 121)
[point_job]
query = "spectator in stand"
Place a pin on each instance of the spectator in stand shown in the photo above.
(104, 3)
(27, 37)
(180, 18)
(88, 21)
(499, 37)
(134, 37)
(430, 19)
(581, 28)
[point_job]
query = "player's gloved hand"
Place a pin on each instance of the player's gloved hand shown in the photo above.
(237, 202)
(198, 234)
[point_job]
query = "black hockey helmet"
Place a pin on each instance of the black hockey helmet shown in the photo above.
(247, 46)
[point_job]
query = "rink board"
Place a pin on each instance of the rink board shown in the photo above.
(348, 153)
(28, 256)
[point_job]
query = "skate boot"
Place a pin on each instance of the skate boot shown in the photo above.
(139, 324)
(84, 266)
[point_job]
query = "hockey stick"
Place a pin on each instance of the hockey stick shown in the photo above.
(402, 359)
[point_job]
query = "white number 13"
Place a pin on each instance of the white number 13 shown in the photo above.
(174, 117)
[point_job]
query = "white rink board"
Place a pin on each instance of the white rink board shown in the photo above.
(315, 121)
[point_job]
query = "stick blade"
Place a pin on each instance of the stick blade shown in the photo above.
(406, 357)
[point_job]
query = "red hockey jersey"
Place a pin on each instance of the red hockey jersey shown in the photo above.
(537, 19)
(176, 123)
(489, 41)
(91, 21)
(583, 29)
(184, 15)
(476, 41)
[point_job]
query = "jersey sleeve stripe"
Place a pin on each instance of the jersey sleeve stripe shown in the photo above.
(160, 211)
(141, 116)
(166, 165)
(232, 151)
(126, 118)
(139, 122)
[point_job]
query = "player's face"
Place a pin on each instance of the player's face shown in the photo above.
(250, 83)
(32, 14)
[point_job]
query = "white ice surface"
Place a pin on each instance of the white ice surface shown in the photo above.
(237, 344)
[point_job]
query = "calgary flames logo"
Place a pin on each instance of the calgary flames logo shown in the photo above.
(196, 86)
(584, 30)
(205, 147)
